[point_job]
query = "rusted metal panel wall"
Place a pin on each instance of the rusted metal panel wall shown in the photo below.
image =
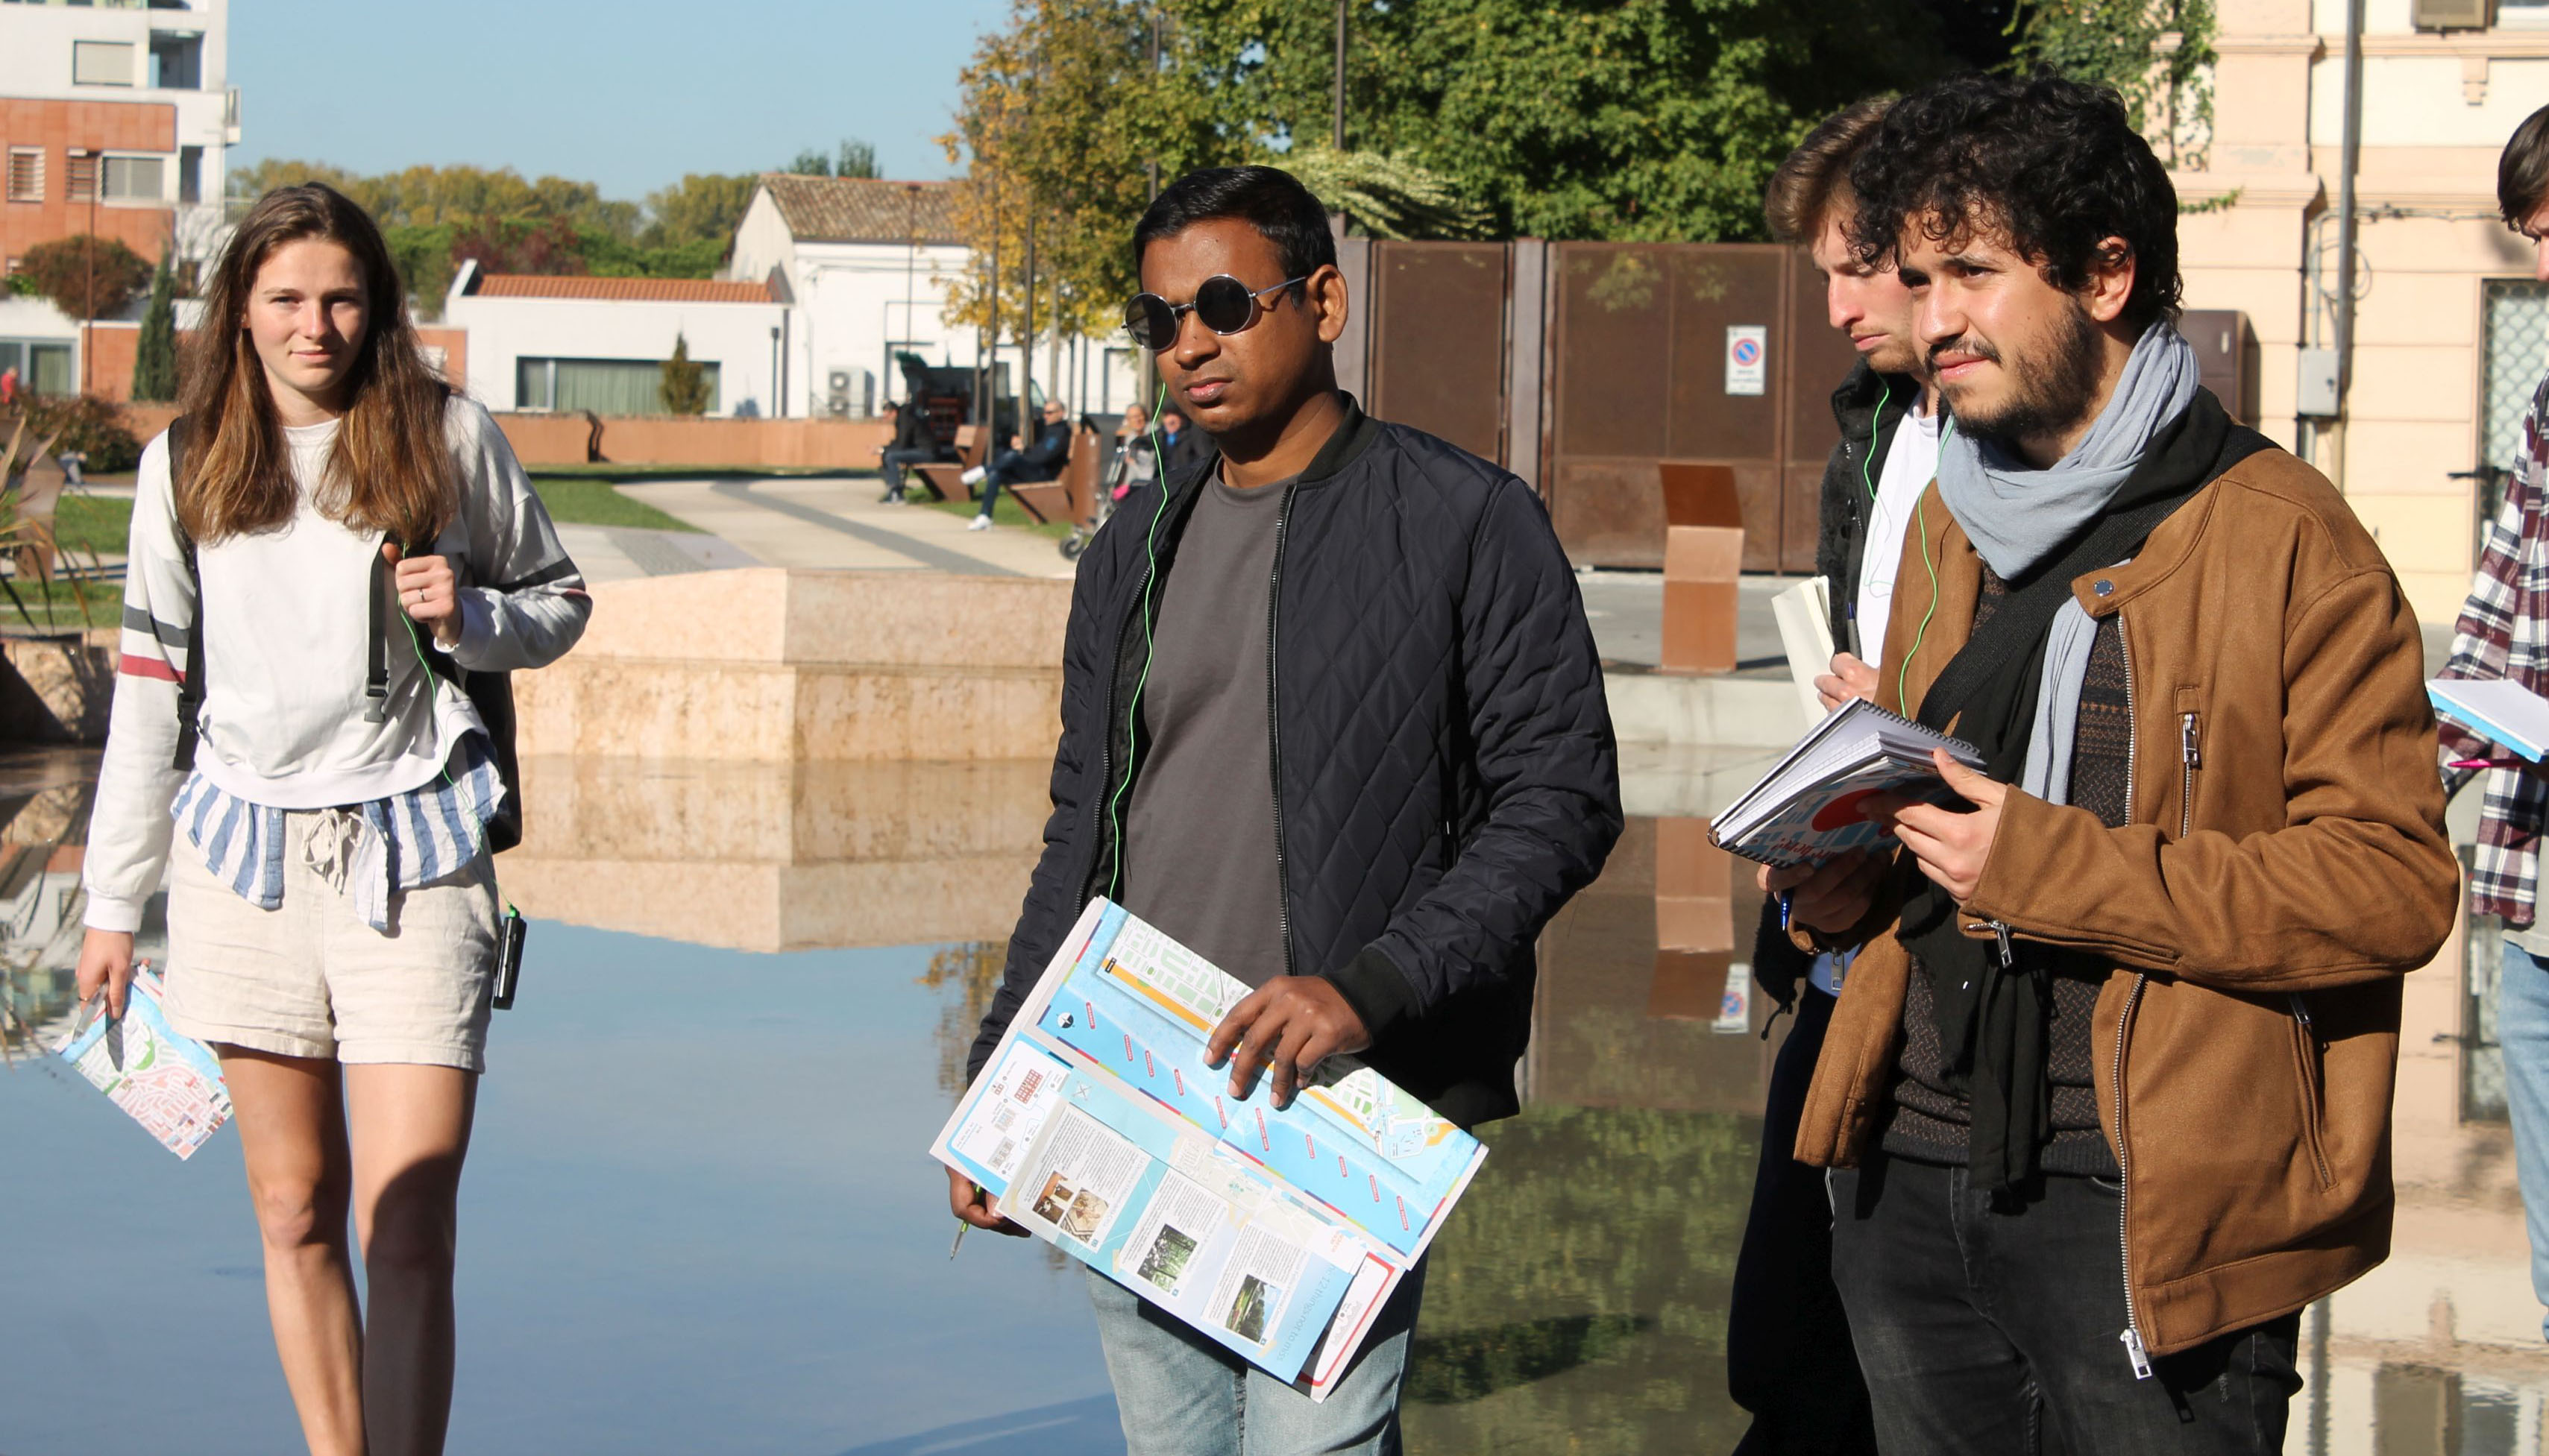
(1438, 341)
(1580, 365)
(1640, 356)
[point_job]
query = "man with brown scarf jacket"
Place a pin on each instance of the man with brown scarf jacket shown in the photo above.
(2110, 1081)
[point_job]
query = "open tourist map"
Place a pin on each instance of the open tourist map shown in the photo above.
(1279, 1234)
(169, 1083)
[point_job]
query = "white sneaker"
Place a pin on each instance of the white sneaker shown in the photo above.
(974, 476)
(979, 523)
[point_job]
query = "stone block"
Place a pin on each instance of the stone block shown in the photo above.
(773, 666)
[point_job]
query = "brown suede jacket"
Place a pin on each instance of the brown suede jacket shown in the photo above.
(2283, 866)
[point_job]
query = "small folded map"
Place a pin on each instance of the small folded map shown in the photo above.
(169, 1083)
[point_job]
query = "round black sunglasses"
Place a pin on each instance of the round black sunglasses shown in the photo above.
(1223, 302)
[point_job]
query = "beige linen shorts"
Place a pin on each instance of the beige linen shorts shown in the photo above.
(309, 978)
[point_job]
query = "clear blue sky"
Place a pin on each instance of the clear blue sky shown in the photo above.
(629, 94)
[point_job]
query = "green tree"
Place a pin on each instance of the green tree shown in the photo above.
(701, 207)
(2159, 55)
(154, 353)
(853, 158)
(431, 195)
(421, 253)
(1572, 119)
(1386, 196)
(85, 276)
(685, 388)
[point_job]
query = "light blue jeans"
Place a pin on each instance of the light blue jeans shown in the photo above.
(1181, 1394)
(2522, 1029)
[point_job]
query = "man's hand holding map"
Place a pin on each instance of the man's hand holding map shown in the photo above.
(1101, 1125)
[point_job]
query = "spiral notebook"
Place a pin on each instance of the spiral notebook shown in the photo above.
(1811, 806)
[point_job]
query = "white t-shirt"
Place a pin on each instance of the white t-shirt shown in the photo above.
(1911, 462)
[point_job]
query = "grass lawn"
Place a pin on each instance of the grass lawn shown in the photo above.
(105, 606)
(592, 501)
(82, 525)
(92, 523)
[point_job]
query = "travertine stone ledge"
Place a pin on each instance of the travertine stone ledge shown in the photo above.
(773, 666)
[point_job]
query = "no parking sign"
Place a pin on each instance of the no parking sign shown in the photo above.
(1748, 351)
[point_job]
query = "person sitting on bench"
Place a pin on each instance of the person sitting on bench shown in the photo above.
(912, 444)
(1041, 461)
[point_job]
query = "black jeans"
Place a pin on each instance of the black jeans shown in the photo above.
(1992, 1329)
(894, 462)
(1788, 1356)
(1010, 469)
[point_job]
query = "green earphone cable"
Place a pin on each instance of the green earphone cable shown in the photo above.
(1903, 674)
(1132, 709)
(424, 666)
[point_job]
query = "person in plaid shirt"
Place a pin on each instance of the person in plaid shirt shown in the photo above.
(2503, 632)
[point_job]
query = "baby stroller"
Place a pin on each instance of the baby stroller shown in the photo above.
(1135, 463)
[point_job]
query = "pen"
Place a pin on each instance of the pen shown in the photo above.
(961, 1226)
(1787, 909)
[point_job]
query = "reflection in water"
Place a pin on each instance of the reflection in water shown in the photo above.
(1577, 1298)
(2438, 1352)
(678, 1242)
(780, 857)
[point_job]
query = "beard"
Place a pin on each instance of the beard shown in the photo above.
(2050, 395)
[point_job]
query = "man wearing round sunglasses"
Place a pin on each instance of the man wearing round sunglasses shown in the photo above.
(1333, 718)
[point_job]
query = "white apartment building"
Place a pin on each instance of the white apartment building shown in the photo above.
(115, 119)
(2451, 332)
(571, 343)
(863, 264)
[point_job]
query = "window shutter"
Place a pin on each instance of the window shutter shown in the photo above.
(26, 174)
(102, 62)
(2449, 14)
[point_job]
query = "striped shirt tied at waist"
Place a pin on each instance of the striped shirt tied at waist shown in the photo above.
(369, 850)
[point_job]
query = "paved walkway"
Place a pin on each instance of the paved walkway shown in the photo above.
(618, 553)
(836, 521)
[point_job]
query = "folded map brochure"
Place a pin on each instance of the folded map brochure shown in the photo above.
(2505, 713)
(1812, 806)
(1277, 1233)
(168, 1082)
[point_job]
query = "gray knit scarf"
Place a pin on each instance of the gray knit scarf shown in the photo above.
(2017, 515)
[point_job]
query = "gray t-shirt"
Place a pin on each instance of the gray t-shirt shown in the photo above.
(1200, 835)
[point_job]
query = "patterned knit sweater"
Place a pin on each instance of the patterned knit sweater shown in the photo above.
(1930, 1117)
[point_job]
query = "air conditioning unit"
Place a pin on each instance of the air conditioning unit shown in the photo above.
(2449, 14)
(849, 392)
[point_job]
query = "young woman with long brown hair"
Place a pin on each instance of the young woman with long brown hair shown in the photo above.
(299, 760)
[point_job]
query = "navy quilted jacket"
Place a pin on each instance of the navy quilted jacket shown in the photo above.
(1445, 775)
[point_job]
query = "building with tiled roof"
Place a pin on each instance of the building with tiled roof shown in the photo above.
(863, 209)
(866, 264)
(570, 343)
(641, 290)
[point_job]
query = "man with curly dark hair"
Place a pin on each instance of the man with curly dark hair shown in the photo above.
(2107, 1092)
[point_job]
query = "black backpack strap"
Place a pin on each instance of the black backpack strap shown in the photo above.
(190, 689)
(376, 675)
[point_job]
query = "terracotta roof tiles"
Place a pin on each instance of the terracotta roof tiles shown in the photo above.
(643, 289)
(863, 209)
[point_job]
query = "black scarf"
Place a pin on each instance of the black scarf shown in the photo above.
(1991, 1011)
